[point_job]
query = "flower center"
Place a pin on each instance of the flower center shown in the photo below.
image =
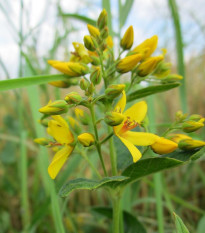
(128, 124)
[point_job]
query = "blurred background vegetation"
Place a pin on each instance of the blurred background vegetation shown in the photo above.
(33, 32)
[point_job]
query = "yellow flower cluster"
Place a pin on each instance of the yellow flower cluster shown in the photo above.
(94, 61)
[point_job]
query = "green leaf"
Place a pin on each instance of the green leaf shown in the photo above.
(150, 91)
(198, 154)
(124, 11)
(29, 81)
(131, 224)
(181, 228)
(201, 225)
(148, 166)
(82, 183)
(79, 17)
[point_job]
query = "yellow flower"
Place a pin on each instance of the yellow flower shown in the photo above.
(147, 47)
(127, 39)
(128, 63)
(86, 139)
(59, 130)
(164, 146)
(81, 54)
(133, 117)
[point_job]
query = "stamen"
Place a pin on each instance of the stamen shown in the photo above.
(128, 125)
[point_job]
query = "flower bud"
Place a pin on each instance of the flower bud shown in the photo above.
(191, 126)
(164, 146)
(128, 38)
(109, 42)
(84, 83)
(42, 141)
(90, 90)
(54, 108)
(73, 98)
(195, 117)
(86, 139)
(96, 76)
(93, 31)
(148, 66)
(178, 137)
(74, 124)
(114, 90)
(190, 144)
(174, 77)
(79, 68)
(59, 84)
(89, 43)
(102, 19)
(113, 118)
(72, 69)
(149, 45)
(104, 33)
(95, 60)
(128, 63)
(179, 116)
(162, 70)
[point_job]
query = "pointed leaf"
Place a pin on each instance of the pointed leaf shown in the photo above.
(181, 228)
(79, 17)
(30, 81)
(150, 91)
(82, 183)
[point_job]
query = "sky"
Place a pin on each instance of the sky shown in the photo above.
(148, 17)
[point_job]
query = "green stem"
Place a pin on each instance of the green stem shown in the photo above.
(97, 144)
(180, 54)
(116, 215)
(112, 153)
(108, 137)
(83, 154)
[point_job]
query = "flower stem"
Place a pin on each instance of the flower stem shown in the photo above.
(116, 215)
(97, 144)
(112, 153)
(108, 137)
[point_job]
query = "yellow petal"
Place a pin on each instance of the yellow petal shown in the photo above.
(137, 111)
(58, 160)
(121, 103)
(164, 146)
(140, 138)
(136, 154)
(59, 129)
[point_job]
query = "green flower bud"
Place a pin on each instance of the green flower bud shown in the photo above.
(104, 33)
(44, 122)
(54, 108)
(113, 118)
(73, 98)
(191, 126)
(96, 76)
(179, 116)
(86, 139)
(195, 117)
(102, 19)
(90, 90)
(95, 60)
(114, 90)
(190, 144)
(84, 83)
(88, 42)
